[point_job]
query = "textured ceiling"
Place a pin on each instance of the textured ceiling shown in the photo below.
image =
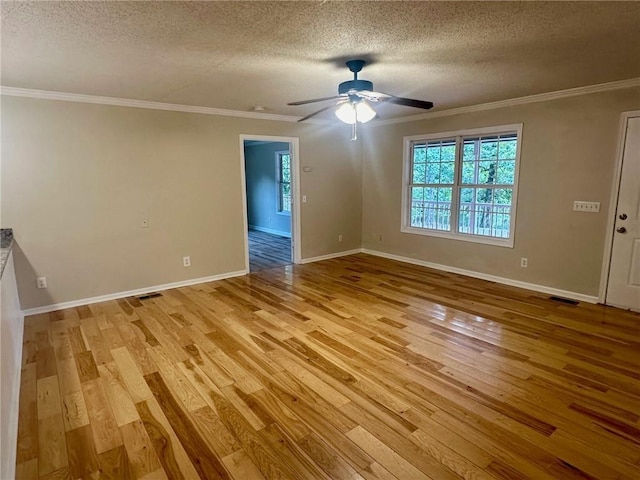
(236, 55)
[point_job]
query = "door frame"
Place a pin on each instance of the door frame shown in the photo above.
(294, 143)
(613, 204)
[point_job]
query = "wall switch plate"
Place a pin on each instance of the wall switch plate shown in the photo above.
(524, 262)
(339, 238)
(186, 261)
(591, 207)
(41, 282)
(304, 199)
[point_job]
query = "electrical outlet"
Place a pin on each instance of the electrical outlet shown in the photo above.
(144, 223)
(41, 282)
(590, 207)
(524, 262)
(340, 237)
(186, 261)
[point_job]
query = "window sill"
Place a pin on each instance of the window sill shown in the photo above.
(284, 214)
(507, 242)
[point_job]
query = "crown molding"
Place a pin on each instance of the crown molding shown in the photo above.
(174, 107)
(540, 97)
(127, 102)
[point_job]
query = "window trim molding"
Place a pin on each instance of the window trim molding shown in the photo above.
(406, 180)
(279, 210)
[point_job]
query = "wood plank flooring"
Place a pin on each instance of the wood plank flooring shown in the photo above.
(268, 251)
(351, 368)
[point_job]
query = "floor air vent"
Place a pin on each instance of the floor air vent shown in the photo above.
(568, 301)
(148, 296)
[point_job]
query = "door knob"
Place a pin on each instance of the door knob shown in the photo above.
(621, 230)
(622, 216)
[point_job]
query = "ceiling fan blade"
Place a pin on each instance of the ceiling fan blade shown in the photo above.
(373, 96)
(317, 112)
(408, 102)
(304, 102)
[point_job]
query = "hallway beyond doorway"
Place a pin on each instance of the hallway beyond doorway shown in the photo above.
(267, 250)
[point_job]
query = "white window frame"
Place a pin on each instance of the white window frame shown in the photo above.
(279, 209)
(455, 196)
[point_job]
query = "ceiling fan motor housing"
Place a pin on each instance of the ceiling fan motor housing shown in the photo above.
(355, 85)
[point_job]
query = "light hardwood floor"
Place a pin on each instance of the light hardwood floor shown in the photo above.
(357, 367)
(268, 251)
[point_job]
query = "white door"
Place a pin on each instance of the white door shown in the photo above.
(623, 289)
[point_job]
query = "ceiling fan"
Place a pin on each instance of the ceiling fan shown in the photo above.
(355, 98)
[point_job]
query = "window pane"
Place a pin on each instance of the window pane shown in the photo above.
(506, 172)
(484, 195)
(431, 194)
(433, 173)
(285, 168)
(444, 194)
(502, 196)
(417, 193)
(486, 172)
(419, 154)
(507, 149)
(489, 148)
(285, 197)
(448, 153)
(446, 172)
(434, 212)
(466, 195)
(419, 173)
(468, 172)
(433, 153)
(469, 150)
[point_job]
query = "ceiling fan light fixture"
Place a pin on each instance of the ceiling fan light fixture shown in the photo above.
(346, 113)
(364, 112)
(351, 112)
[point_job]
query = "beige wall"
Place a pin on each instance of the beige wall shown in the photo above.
(78, 179)
(568, 153)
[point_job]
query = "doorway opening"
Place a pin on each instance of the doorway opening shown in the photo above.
(270, 183)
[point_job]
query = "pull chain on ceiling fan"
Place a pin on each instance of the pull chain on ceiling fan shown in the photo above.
(355, 98)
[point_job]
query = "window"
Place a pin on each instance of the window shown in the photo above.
(462, 185)
(283, 166)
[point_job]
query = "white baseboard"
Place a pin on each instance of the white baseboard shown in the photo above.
(270, 230)
(331, 255)
(130, 293)
(485, 276)
(470, 273)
